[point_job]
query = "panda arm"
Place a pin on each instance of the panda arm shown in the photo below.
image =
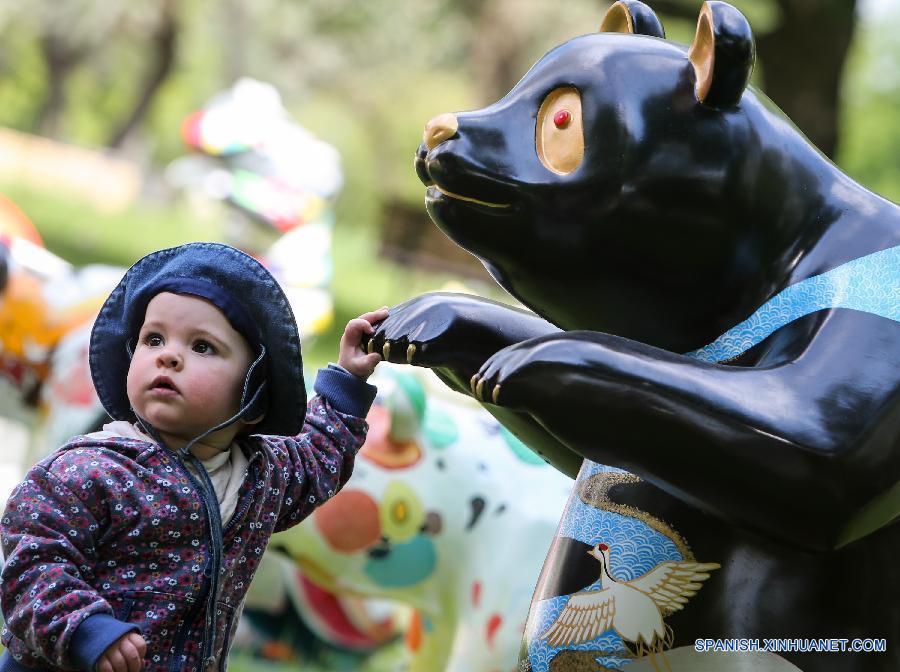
(756, 447)
(453, 333)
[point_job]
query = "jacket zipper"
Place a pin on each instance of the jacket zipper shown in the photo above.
(211, 583)
(245, 504)
(214, 559)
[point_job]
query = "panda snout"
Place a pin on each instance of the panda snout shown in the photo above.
(440, 128)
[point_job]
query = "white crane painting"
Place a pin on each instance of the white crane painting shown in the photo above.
(634, 609)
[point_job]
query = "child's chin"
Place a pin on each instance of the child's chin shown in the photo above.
(172, 430)
(176, 428)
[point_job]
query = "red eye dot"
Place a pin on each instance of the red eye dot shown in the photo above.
(562, 118)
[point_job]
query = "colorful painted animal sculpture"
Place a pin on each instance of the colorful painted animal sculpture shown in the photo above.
(281, 183)
(446, 512)
(47, 307)
(715, 331)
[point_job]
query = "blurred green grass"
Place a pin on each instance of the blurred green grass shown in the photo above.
(81, 234)
(363, 280)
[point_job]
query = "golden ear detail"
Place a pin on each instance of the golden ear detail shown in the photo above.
(617, 20)
(702, 53)
(721, 55)
(560, 131)
(631, 16)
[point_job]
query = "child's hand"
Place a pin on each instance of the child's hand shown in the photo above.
(353, 356)
(126, 654)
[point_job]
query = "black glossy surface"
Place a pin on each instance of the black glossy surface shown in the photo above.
(682, 220)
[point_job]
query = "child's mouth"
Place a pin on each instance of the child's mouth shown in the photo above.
(164, 386)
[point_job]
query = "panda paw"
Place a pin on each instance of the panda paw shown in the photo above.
(521, 374)
(438, 330)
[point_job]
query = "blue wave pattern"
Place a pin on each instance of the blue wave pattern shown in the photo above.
(870, 284)
(635, 549)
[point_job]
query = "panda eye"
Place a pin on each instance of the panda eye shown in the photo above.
(560, 132)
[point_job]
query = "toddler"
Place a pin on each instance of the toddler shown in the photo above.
(133, 548)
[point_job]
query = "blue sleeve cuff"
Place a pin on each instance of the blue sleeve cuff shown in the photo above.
(94, 636)
(347, 393)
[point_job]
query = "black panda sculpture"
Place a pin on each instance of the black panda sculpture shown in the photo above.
(714, 349)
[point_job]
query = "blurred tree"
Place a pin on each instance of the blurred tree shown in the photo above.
(801, 54)
(801, 48)
(507, 36)
(870, 131)
(60, 57)
(366, 76)
(163, 41)
(76, 35)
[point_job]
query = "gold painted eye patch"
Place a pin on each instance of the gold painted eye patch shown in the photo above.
(560, 131)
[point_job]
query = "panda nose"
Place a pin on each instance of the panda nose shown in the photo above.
(440, 128)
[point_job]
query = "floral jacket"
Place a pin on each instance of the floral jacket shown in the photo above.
(110, 535)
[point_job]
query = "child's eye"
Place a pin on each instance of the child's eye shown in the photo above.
(153, 340)
(204, 348)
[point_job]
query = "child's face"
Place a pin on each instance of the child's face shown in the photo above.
(188, 369)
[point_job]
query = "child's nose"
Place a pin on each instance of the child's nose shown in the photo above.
(169, 358)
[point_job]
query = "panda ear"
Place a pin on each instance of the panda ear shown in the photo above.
(722, 54)
(631, 16)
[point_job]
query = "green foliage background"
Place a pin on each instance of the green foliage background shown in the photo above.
(364, 76)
